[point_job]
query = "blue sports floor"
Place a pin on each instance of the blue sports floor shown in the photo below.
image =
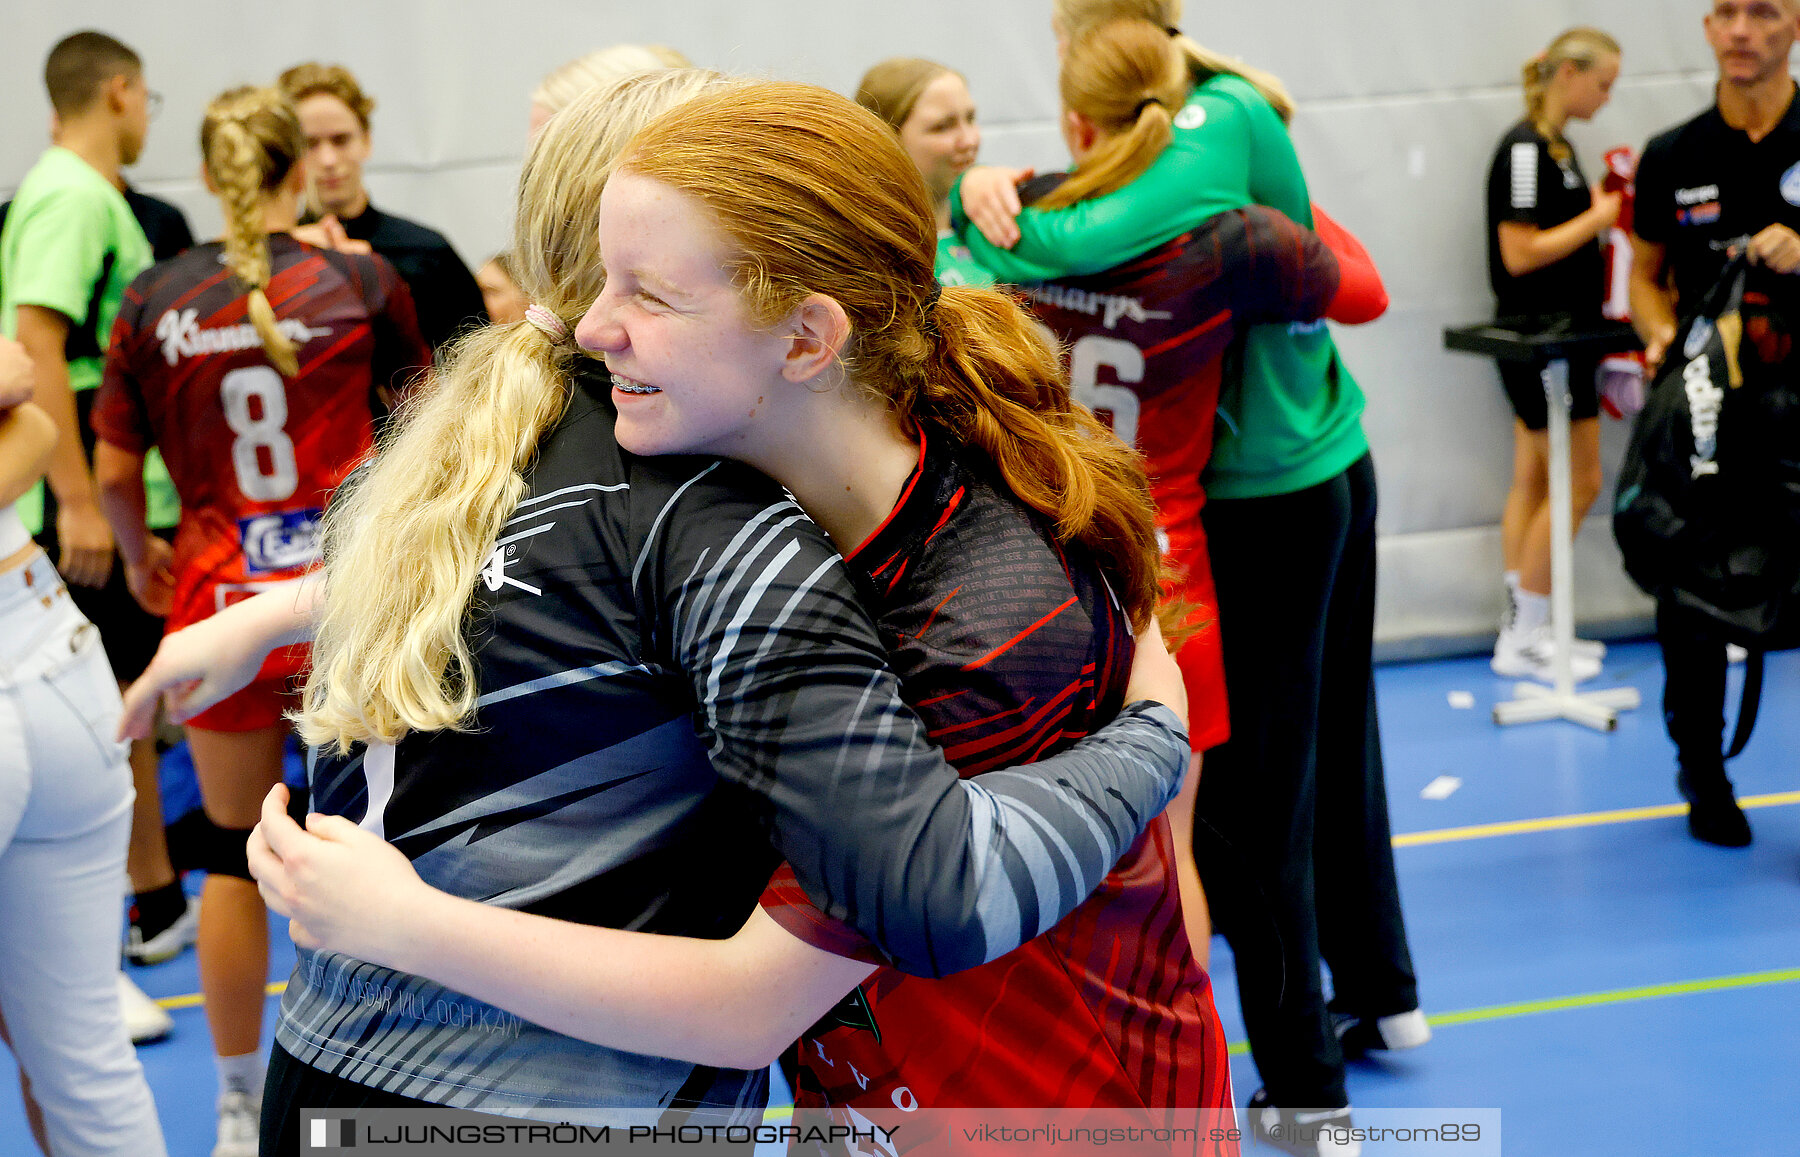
(1613, 987)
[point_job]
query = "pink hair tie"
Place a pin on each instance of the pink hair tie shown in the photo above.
(547, 322)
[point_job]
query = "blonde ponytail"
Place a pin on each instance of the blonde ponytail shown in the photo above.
(1075, 17)
(1127, 78)
(392, 656)
(251, 140)
(1584, 47)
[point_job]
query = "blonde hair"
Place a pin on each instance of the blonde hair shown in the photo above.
(1076, 15)
(313, 78)
(250, 141)
(891, 88)
(1129, 79)
(392, 657)
(766, 160)
(1584, 48)
(564, 83)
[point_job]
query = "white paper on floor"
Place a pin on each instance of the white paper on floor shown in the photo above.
(1462, 700)
(1443, 787)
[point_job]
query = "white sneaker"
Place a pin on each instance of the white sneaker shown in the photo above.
(1735, 653)
(145, 1019)
(1590, 648)
(1402, 1030)
(170, 942)
(240, 1126)
(1531, 656)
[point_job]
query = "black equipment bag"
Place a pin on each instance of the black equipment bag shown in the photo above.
(1707, 514)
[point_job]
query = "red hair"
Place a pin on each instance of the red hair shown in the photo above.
(817, 196)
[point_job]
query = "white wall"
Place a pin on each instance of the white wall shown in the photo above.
(1401, 103)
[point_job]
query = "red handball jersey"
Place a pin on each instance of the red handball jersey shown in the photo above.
(1147, 342)
(1010, 648)
(253, 455)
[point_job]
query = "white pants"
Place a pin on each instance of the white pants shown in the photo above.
(65, 820)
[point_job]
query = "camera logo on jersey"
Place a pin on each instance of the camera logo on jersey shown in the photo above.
(278, 542)
(1191, 116)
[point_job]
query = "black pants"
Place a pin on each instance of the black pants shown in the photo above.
(1292, 833)
(292, 1086)
(1694, 663)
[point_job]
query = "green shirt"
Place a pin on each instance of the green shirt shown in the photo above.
(71, 244)
(956, 265)
(1289, 411)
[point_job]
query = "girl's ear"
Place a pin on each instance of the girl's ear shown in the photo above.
(1080, 132)
(819, 329)
(206, 179)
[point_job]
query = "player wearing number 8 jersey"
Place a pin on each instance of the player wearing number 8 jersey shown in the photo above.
(258, 453)
(254, 363)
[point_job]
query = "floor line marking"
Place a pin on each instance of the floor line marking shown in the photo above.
(1591, 999)
(1583, 820)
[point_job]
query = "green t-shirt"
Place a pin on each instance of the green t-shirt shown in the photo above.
(1289, 411)
(956, 265)
(71, 244)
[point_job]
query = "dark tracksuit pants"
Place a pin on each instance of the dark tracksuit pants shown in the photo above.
(1292, 833)
(1694, 663)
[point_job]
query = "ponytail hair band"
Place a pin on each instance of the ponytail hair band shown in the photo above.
(1172, 31)
(546, 322)
(1146, 103)
(929, 308)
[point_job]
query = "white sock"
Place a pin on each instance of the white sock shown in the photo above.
(243, 1074)
(1532, 611)
(1511, 579)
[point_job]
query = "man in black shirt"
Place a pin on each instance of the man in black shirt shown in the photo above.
(1729, 176)
(334, 112)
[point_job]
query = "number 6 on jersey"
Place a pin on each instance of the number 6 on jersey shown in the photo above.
(1115, 405)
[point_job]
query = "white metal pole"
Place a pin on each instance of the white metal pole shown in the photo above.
(1562, 541)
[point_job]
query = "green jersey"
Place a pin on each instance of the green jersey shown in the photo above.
(956, 265)
(72, 245)
(1289, 411)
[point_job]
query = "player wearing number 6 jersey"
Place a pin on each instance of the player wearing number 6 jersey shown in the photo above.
(254, 364)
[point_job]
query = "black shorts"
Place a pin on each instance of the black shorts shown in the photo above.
(129, 633)
(292, 1086)
(1525, 390)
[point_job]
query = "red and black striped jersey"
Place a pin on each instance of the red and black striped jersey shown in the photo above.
(1010, 647)
(253, 455)
(1147, 343)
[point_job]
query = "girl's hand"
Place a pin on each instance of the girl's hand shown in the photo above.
(196, 667)
(16, 378)
(341, 888)
(990, 198)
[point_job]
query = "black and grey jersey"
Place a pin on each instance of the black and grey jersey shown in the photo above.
(1528, 185)
(677, 689)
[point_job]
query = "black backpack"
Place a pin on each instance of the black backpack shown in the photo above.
(1707, 515)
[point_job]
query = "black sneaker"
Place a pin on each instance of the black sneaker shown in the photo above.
(1304, 1132)
(1714, 816)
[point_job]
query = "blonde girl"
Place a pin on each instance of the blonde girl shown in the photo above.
(1545, 226)
(251, 362)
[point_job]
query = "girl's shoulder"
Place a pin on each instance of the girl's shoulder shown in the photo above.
(1227, 95)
